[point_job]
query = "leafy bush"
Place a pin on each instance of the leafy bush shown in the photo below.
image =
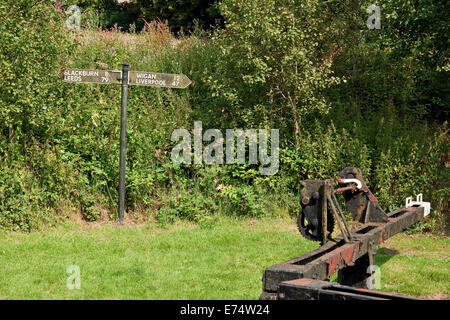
(182, 15)
(21, 202)
(32, 47)
(274, 65)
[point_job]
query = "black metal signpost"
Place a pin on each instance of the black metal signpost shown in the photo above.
(123, 140)
(126, 78)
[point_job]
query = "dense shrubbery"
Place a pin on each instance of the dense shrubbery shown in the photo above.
(59, 145)
(31, 103)
(182, 15)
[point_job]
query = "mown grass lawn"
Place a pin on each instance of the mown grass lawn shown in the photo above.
(224, 260)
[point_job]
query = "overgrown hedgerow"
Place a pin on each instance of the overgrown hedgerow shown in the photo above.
(59, 142)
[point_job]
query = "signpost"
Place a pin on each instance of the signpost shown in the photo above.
(126, 78)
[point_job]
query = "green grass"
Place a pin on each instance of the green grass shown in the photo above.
(415, 264)
(224, 260)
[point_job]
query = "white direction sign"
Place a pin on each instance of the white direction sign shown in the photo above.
(93, 76)
(153, 79)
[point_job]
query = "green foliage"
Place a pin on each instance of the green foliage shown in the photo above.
(322, 153)
(399, 158)
(417, 33)
(180, 13)
(415, 163)
(186, 261)
(278, 64)
(20, 199)
(405, 63)
(33, 44)
(212, 191)
(185, 205)
(274, 66)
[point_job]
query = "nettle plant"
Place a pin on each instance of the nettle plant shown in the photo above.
(275, 65)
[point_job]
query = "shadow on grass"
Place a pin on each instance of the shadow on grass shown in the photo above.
(384, 255)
